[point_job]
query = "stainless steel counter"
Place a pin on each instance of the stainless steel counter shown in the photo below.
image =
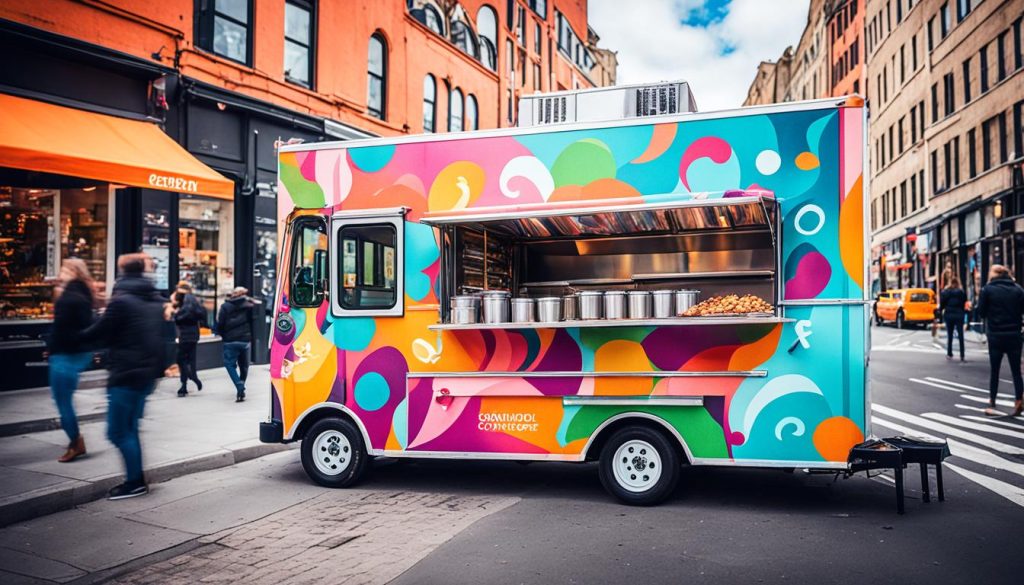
(678, 321)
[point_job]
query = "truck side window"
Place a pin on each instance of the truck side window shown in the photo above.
(368, 266)
(309, 262)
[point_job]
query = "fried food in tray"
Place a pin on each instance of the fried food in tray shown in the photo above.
(729, 305)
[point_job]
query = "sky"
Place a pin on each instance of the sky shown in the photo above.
(715, 45)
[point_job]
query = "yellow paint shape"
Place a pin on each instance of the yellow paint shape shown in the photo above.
(457, 186)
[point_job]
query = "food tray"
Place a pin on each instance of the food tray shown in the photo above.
(756, 314)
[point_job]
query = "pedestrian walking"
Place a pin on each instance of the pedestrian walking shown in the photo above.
(130, 329)
(952, 303)
(68, 356)
(234, 325)
(188, 315)
(1001, 304)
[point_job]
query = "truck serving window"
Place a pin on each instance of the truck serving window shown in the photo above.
(309, 262)
(368, 266)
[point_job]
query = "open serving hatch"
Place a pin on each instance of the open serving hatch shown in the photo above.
(717, 245)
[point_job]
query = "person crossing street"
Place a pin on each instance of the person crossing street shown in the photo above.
(234, 325)
(1001, 304)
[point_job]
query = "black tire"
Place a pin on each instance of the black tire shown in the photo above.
(349, 460)
(900, 322)
(661, 488)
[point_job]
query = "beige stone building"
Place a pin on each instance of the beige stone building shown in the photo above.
(771, 82)
(946, 93)
(810, 69)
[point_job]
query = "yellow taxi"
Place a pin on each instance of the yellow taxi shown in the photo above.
(906, 305)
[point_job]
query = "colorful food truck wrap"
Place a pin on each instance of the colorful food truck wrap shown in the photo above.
(775, 390)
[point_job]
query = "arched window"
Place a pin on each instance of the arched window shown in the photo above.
(429, 103)
(463, 38)
(472, 122)
(455, 110)
(377, 78)
(432, 19)
(487, 27)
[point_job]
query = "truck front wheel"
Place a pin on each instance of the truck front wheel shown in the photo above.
(333, 453)
(639, 466)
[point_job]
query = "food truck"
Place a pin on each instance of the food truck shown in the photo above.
(646, 293)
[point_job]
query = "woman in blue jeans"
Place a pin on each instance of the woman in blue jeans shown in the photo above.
(68, 356)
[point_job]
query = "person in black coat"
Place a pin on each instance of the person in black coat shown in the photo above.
(130, 329)
(188, 315)
(66, 354)
(234, 325)
(952, 303)
(1001, 304)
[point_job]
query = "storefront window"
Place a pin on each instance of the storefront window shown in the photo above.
(156, 234)
(206, 250)
(38, 228)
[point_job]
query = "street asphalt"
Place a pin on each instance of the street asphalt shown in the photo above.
(425, 522)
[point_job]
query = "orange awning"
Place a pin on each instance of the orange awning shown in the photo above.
(37, 136)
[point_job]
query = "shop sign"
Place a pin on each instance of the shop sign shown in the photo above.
(172, 183)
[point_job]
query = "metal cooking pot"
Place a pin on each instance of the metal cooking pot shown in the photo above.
(464, 315)
(663, 303)
(570, 308)
(615, 304)
(639, 304)
(549, 309)
(495, 306)
(591, 302)
(523, 310)
(686, 299)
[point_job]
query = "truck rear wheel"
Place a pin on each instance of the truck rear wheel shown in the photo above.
(333, 453)
(639, 466)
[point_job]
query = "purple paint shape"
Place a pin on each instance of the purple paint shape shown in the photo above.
(391, 365)
(669, 348)
(338, 388)
(715, 405)
(420, 396)
(563, 355)
(557, 386)
(464, 431)
(811, 277)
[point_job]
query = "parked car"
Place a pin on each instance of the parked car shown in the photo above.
(906, 305)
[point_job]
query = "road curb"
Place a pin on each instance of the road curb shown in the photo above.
(40, 425)
(71, 493)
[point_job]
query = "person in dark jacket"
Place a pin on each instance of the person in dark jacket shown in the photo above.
(1001, 304)
(68, 356)
(130, 329)
(188, 315)
(952, 303)
(234, 325)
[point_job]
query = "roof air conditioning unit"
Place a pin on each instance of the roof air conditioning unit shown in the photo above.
(606, 103)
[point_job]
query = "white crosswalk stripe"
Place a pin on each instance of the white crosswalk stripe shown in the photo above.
(1007, 490)
(992, 421)
(972, 425)
(948, 430)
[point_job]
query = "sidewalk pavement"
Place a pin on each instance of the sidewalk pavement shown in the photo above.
(204, 430)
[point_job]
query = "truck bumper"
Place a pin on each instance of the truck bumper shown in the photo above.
(272, 432)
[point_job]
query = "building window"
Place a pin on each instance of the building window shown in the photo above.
(935, 103)
(429, 103)
(224, 27)
(1018, 128)
(920, 181)
(913, 124)
(913, 192)
(963, 8)
(377, 85)
(903, 66)
(1004, 154)
(913, 52)
(900, 140)
(521, 27)
(972, 153)
(947, 166)
(986, 144)
(983, 73)
(920, 116)
(948, 94)
(956, 160)
(944, 19)
(487, 27)
(455, 110)
(429, 16)
(472, 119)
(967, 81)
(903, 199)
(935, 170)
(931, 34)
(464, 39)
(1001, 56)
(536, 76)
(540, 7)
(1018, 52)
(537, 38)
(298, 42)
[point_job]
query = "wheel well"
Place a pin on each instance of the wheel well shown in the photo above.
(316, 416)
(594, 451)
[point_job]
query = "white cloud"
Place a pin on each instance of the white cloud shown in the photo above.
(654, 45)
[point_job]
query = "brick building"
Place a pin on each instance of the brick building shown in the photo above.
(945, 139)
(848, 70)
(210, 87)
